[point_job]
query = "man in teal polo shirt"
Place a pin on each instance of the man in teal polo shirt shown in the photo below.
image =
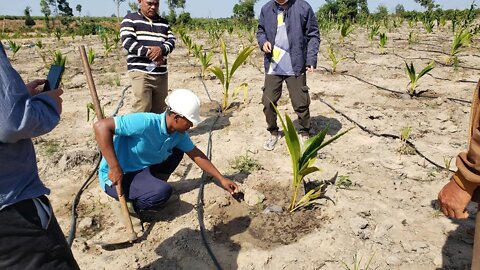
(132, 145)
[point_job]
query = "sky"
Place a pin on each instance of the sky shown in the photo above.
(200, 8)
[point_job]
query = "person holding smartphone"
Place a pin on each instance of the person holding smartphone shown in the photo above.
(30, 237)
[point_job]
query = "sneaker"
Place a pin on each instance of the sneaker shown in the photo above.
(270, 143)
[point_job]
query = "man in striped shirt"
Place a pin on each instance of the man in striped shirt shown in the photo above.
(148, 39)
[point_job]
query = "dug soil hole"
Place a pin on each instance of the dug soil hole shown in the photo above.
(260, 227)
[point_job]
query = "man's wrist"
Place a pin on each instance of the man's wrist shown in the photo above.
(463, 183)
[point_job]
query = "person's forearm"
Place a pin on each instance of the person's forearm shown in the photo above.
(205, 164)
(169, 44)
(104, 137)
(129, 40)
(468, 164)
(38, 116)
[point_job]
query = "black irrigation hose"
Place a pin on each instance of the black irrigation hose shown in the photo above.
(76, 200)
(205, 176)
(384, 135)
(73, 223)
(401, 93)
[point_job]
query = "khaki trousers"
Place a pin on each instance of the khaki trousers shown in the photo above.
(150, 91)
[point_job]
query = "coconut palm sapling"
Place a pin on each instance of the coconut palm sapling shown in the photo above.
(460, 40)
(15, 47)
(226, 77)
(382, 42)
(334, 59)
(303, 158)
(414, 77)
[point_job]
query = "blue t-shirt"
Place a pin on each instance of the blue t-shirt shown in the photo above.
(142, 140)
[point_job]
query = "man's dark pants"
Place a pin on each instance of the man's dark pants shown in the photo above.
(299, 96)
(148, 188)
(24, 244)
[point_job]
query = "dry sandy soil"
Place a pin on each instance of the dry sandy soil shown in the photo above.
(387, 215)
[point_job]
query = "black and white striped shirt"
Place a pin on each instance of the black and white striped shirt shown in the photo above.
(137, 32)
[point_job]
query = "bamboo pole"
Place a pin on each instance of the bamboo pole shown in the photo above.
(98, 111)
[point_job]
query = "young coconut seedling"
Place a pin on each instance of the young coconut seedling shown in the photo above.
(15, 47)
(460, 40)
(374, 30)
(303, 158)
(90, 56)
(356, 264)
(226, 76)
(205, 61)
(345, 30)
(58, 33)
(428, 24)
(58, 58)
(447, 161)
(383, 42)
(333, 58)
(39, 45)
(405, 148)
(414, 77)
(412, 38)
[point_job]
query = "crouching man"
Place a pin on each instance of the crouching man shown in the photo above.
(137, 144)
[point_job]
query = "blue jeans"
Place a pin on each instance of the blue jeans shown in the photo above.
(145, 190)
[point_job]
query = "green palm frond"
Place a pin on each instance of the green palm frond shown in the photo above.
(303, 158)
(414, 77)
(225, 75)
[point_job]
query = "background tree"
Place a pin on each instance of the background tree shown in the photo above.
(244, 10)
(382, 12)
(64, 8)
(184, 18)
(344, 10)
(329, 9)
(117, 4)
(53, 4)
(45, 9)
(78, 8)
(28, 19)
(133, 6)
(66, 12)
(364, 12)
(428, 4)
(399, 10)
(349, 9)
(172, 5)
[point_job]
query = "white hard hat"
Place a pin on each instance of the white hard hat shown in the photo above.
(185, 103)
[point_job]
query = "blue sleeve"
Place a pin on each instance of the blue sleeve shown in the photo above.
(185, 144)
(261, 32)
(313, 38)
(130, 124)
(22, 116)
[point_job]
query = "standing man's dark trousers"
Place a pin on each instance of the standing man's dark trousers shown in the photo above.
(26, 244)
(299, 96)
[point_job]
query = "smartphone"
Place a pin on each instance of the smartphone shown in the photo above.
(54, 77)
